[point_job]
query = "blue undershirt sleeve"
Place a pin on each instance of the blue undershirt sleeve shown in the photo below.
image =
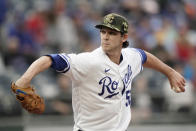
(59, 62)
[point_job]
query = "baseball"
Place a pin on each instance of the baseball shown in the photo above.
(176, 89)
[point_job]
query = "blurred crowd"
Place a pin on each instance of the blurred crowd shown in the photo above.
(32, 28)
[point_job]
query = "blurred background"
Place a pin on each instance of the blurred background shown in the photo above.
(32, 28)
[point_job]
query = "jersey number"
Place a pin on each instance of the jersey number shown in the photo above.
(128, 98)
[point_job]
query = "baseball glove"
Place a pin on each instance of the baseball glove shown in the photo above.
(29, 100)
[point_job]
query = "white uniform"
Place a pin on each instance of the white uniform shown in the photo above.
(101, 94)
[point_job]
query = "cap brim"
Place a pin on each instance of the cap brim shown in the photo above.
(100, 26)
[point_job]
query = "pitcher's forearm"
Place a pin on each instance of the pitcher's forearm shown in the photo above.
(154, 63)
(35, 68)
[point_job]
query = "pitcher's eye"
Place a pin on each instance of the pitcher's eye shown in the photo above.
(102, 31)
(112, 33)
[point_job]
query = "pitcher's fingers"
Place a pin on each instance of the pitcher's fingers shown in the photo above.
(183, 82)
(182, 88)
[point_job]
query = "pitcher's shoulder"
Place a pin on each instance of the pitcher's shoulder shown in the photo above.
(130, 50)
(87, 55)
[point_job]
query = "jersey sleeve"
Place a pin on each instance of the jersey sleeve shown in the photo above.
(141, 60)
(137, 58)
(142, 54)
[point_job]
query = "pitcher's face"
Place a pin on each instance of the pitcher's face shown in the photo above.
(111, 40)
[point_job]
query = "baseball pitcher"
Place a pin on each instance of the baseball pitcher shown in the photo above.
(101, 79)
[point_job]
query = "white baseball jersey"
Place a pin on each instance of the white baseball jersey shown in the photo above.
(101, 94)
